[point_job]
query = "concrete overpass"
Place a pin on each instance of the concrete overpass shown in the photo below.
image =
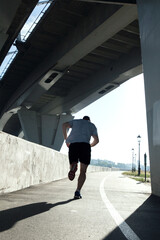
(77, 53)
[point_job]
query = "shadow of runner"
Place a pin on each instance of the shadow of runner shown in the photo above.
(9, 217)
(145, 221)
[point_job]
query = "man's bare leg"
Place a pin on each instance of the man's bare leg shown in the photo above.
(82, 176)
(73, 169)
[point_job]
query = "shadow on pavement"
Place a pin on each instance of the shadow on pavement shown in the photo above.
(145, 221)
(9, 217)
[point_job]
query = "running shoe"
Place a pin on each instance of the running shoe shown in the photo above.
(71, 174)
(77, 195)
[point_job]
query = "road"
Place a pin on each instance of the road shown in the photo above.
(113, 206)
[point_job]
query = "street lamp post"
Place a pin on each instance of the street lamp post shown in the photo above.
(139, 166)
(132, 159)
(135, 162)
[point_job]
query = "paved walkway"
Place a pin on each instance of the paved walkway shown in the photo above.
(113, 207)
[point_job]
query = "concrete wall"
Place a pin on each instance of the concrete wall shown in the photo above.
(23, 164)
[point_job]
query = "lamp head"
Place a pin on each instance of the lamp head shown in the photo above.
(139, 138)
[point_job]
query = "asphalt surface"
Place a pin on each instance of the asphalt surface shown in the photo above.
(113, 206)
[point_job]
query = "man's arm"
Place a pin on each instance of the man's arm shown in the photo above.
(65, 126)
(95, 140)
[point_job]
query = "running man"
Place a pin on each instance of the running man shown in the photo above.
(80, 148)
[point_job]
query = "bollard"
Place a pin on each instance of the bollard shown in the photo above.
(145, 164)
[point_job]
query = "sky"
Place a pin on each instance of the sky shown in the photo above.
(120, 116)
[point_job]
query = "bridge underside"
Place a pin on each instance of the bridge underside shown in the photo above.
(78, 52)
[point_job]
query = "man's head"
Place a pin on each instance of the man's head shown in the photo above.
(86, 118)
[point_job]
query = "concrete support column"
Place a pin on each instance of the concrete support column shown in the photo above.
(43, 129)
(49, 124)
(149, 19)
(59, 135)
(52, 135)
(30, 125)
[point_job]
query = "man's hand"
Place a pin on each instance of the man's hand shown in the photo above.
(65, 126)
(95, 141)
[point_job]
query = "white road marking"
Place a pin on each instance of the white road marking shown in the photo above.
(124, 227)
(74, 211)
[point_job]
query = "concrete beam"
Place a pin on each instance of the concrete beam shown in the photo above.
(77, 45)
(118, 2)
(114, 74)
(13, 15)
(8, 10)
(124, 16)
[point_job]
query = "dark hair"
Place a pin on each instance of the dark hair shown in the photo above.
(86, 118)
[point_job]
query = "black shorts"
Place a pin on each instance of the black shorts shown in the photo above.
(80, 151)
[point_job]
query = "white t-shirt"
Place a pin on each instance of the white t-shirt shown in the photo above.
(82, 130)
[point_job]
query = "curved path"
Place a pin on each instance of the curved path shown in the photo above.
(113, 207)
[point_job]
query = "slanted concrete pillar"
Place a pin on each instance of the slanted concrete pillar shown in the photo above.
(149, 20)
(30, 125)
(43, 129)
(59, 139)
(52, 135)
(49, 124)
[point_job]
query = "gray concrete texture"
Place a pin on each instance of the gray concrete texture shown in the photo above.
(24, 164)
(150, 47)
